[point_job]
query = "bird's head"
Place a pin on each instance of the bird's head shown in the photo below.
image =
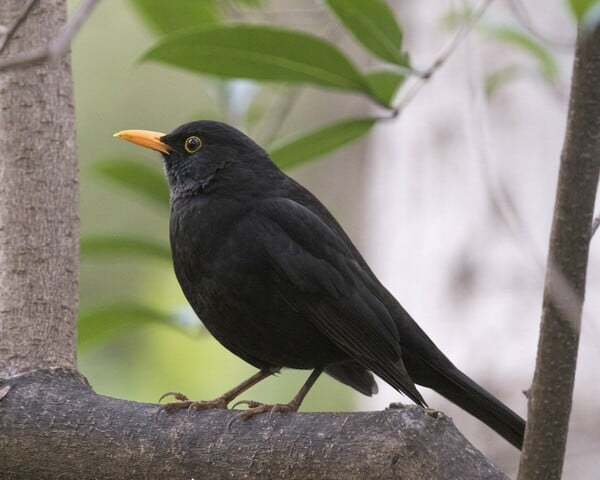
(205, 156)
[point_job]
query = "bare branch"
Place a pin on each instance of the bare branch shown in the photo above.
(59, 45)
(502, 201)
(524, 18)
(425, 75)
(16, 24)
(87, 429)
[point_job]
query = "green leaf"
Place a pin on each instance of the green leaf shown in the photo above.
(166, 17)
(527, 44)
(374, 25)
(456, 17)
(494, 81)
(101, 246)
(321, 141)
(580, 8)
(260, 53)
(591, 18)
(100, 323)
(137, 177)
(385, 84)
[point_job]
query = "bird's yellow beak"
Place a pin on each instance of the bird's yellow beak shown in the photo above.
(145, 138)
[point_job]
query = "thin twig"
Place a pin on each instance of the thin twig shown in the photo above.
(290, 99)
(563, 292)
(16, 24)
(462, 32)
(499, 196)
(524, 18)
(59, 45)
(595, 224)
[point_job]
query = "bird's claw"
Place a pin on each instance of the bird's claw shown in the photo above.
(178, 396)
(433, 413)
(255, 408)
(217, 403)
(395, 405)
(183, 402)
(249, 403)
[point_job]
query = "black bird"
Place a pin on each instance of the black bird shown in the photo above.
(277, 281)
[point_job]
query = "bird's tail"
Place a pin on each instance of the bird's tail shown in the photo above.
(429, 367)
(451, 383)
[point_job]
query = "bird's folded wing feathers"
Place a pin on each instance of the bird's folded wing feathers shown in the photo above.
(304, 251)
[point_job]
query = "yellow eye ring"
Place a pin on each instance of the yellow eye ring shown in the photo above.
(192, 144)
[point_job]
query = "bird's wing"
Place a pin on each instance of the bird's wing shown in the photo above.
(323, 277)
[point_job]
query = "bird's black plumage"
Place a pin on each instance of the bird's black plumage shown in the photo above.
(277, 281)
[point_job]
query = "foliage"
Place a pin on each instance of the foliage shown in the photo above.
(544, 62)
(375, 27)
(137, 177)
(164, 18)
(320, 142)
(260, 53)
(584, 8)
(519, 40)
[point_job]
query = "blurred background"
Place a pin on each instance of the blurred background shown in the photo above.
(450, 202)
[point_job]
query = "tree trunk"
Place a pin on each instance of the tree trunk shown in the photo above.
(551, 393)
(39, 224)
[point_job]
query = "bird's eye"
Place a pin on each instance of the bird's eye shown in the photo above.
(192, 144)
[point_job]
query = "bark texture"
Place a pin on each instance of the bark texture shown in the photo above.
(70, 432)
(39, 224)
(551, 393)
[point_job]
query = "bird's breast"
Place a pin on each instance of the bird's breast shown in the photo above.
(226, 276)
(199, 229)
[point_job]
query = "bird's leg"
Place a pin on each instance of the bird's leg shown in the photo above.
(255, 408)
(220, 402)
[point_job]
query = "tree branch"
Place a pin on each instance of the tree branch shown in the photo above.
(550, 396)
(65, 427)
(16, 24)
(59, 46)
(411, 92)
(524, 18)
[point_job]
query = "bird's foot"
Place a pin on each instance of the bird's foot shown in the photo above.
(255, 408)
(433, 413)
(183, 402)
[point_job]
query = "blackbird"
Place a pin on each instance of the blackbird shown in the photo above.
(277, 281)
